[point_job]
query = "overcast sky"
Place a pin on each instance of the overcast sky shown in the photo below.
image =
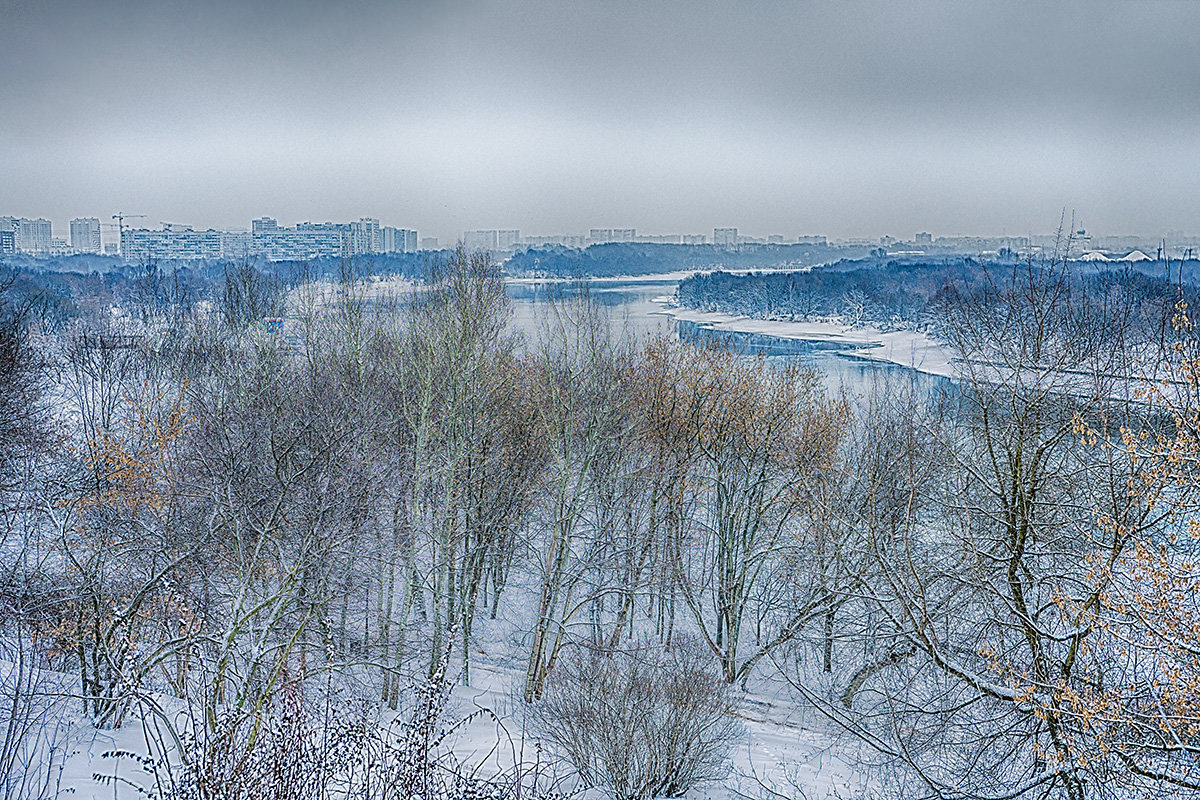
(836, 118)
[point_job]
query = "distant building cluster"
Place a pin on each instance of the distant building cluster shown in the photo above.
(29, 235)
(268, 239)
(511, 240)
(607, 235)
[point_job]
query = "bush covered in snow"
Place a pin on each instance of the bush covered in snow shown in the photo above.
(642, 722)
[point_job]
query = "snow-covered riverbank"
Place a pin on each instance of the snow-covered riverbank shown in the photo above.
(910, 349)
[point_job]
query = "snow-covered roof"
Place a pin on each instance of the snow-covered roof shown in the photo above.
(1136, 255)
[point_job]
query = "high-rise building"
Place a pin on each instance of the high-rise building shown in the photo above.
(564, 240)
(398, 240)
(725, 237)
(8, 242)
(507, 239)
(491, 240)
(479, 240)
(365, 236)
(603, 235)
(85, 235)
(923, 238)
(30, 235)
(430, 243)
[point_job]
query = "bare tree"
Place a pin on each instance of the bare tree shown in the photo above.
(578, 372)
(762, 439)
(975, 590)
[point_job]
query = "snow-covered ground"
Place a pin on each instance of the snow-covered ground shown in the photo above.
(783, 742)
(784, 745)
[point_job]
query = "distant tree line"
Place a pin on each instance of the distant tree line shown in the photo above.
(914, 294)
(634, 258)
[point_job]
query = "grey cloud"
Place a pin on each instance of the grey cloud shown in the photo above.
(780, 116)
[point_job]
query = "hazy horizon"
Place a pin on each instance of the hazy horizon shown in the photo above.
(854, 119)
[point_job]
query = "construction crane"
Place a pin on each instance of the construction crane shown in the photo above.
(120, 217)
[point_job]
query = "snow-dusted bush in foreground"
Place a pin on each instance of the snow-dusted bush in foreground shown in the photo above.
(640, 722)
(332, 748)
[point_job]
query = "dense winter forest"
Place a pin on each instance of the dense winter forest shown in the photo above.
(270, 524)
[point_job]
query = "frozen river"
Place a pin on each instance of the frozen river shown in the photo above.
(636, 306)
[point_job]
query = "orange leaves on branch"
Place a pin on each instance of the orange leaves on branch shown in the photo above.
(715, 401)
(133, 472)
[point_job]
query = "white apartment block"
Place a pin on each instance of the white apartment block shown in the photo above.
(85, 235)
(492, 240)
(237, 245)
(366, 236)
(565, 240)
(29, 235)
(172, 243)
(604, 235)
(307, 240)
(399, 240)
(507, 239)
(725, 237)
(479, 240)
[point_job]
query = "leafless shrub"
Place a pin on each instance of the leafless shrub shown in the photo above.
(316, 741)
(641, 722)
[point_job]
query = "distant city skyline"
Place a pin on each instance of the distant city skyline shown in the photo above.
(844, 119)
(267, 238)
(65, 229)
